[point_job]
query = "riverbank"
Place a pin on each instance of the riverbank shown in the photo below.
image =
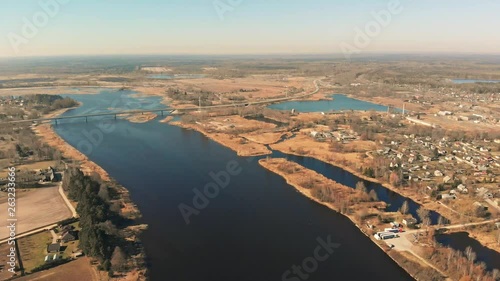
(128, 209)
(297, 176)
(350, 162)
(240, 145)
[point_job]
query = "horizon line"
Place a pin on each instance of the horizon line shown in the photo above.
(365, 54)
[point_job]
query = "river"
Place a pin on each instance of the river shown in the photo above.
(257, 228)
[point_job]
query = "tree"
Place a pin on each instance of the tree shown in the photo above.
(394, 179)
(373, 195)
(103, 192)
(118, 259)
(404, 208)
(360, 186)
(423, 214)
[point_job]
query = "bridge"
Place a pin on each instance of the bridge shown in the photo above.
(169, 111)
(162, 111)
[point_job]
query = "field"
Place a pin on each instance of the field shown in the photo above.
(33, 249)
(78, 270)
(4, 251)
(35, 209)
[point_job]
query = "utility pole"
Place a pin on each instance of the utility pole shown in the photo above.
(199, 102)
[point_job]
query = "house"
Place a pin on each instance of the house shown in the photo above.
(462, 189)
(446, 179)
(54, 248)
(410, 222)
(438, 173)
(69, 236)
(480, 206)
(445, 113)
(447, 196)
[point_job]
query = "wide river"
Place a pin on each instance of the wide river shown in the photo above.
(258, 228)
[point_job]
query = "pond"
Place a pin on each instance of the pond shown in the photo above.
(339, 102)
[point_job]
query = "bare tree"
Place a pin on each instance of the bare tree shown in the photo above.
(404, 208)
(373, 195)
(118, 259)
(360, 186)
(423, 213)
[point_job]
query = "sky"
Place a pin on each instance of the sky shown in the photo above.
(101, 27)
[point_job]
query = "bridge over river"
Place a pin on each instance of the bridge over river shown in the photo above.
(169, 111)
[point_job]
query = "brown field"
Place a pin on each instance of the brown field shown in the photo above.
(78, 270)
(264, 138)
(38, 208)
(49, 90)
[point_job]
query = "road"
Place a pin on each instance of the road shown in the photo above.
(68, 203)
(492, 204)
(34, 231)
(54, 236)
(269, 101)
(404, 244)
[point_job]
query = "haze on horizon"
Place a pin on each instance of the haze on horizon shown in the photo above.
(96, 27)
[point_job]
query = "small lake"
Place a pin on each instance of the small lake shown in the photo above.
(175, 76)
(473, 81)
(461, 240)
(338, 102)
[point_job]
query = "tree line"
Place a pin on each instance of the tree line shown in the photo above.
(99, 237)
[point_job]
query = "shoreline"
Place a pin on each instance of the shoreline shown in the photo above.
(356, 173)
(438, 208)
(307, 193)
(48, 135)
(237, 147)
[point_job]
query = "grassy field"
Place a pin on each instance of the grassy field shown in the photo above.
(33, 249)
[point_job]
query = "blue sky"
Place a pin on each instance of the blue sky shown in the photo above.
(250, 27)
